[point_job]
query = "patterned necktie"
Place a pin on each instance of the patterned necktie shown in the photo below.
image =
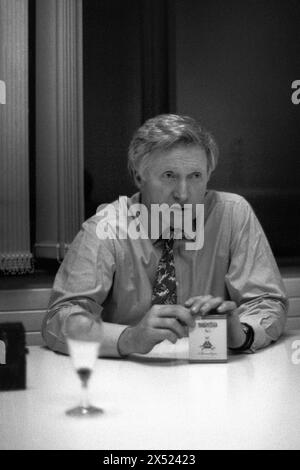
(164, 287)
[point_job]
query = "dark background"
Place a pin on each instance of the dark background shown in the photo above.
(230, 64)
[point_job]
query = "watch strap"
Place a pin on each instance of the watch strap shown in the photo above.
(249, 331)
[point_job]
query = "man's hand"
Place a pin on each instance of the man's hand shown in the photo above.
(205, 303)
(160, 322)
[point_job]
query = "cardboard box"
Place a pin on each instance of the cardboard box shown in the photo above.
(208, 339)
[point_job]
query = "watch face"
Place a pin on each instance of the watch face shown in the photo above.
(248, 332)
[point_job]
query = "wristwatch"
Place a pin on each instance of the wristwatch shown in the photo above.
(248, 330)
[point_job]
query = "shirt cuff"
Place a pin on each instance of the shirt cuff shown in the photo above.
(111, 335)
(259, 337)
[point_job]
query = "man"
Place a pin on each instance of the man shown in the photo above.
(143, 290)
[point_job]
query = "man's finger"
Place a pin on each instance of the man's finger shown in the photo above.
(227, 306)
(211, 304)
(167, 334)
(184, 316)
(190, 301)
(199, 302)
(170, 310)
(171, 324)
(178, 312)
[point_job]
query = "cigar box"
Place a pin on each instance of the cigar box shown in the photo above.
(208, 339)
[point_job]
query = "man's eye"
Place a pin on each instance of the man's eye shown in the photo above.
(169, 175)
(197, 175)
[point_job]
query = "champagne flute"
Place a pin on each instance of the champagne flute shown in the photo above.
(83, 345)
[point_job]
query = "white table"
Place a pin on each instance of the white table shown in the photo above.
(159, 402)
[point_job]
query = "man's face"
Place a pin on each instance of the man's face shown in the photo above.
(175, 176)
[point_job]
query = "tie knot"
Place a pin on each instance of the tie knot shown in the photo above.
(168, 242)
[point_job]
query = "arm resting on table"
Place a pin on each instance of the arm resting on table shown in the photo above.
(253, 280)
(53, 329)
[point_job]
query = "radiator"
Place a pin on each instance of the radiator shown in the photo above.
(15, 255)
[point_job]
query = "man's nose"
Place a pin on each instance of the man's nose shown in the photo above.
(181, 192)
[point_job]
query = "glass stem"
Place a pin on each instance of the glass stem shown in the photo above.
(84, 394)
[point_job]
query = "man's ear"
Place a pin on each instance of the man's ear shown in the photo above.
(209, 173)
(138, 179)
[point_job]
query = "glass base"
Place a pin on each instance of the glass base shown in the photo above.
(84, 411)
